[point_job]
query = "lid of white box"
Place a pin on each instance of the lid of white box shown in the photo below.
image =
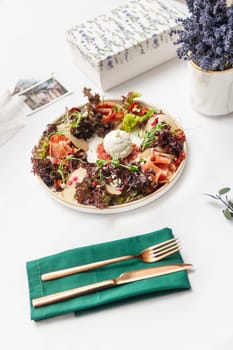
(125, 27)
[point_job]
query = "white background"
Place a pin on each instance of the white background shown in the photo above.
(33, 225)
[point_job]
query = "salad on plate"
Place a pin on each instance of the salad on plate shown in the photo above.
(106, 154)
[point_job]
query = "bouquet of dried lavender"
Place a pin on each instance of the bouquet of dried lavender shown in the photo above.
(206, 36)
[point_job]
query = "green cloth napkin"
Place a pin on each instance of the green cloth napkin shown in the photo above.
(92, 253)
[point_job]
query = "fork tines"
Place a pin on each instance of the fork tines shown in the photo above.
(163, 250)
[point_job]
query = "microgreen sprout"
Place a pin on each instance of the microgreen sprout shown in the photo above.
(150, 136)
(116, 162)
(55, 133)
(78, 117)
(63, 163)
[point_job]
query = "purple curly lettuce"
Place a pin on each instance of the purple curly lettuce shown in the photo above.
(206, 36)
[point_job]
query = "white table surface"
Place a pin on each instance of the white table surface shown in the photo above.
(33, 225)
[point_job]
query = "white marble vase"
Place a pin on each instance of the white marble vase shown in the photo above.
(211, 91)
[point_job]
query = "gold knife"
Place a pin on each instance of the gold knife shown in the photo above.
(125, 277)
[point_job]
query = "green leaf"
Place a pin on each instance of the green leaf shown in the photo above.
(149, 138)
(228, 204)
(74, 158)
(227, 214)
(116, 108)
(43, 148)
(147, 115)
(100, 162)
(224, 190)
(78, 117)
(130, 121)
(115, 162)
(132, 95)
(160, 126)
(133, 168)
(62, 175)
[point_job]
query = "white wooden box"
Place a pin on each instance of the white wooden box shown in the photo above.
(128, 41)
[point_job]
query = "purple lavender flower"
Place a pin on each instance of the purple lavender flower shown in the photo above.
(206, 36)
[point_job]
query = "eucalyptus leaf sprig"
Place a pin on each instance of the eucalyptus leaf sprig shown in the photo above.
(223, 198)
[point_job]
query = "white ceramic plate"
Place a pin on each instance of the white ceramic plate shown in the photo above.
(134, 204)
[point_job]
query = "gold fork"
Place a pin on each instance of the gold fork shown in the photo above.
(151, 254)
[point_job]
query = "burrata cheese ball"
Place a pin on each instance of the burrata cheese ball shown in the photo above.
(118, 144)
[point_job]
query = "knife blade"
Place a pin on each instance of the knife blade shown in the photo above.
(125, 277)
